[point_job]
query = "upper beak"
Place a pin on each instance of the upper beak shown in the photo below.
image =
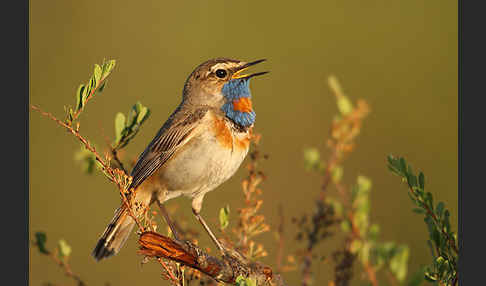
(237, 73)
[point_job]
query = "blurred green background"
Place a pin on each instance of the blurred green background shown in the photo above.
(400, 56)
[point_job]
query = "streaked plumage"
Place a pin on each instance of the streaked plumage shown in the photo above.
(200, 146)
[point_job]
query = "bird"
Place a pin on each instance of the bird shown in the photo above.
(200, 146)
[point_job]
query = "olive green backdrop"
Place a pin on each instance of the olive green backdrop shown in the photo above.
(400, 56)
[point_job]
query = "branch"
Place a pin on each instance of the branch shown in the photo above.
(280, 232)
(112, 174)
(118, 161)
(225, 269)
(450, 241)
(67, 269)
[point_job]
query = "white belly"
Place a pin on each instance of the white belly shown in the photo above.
(199, 167)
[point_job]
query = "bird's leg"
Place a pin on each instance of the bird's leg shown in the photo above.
(168, 220)
(208, 230)
(196, 209)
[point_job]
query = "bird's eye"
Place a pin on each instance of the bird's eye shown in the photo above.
(221, 73)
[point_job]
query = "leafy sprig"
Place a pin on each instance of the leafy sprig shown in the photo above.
(442, 240)
(60, 255)
(127, 127)
(87, 91)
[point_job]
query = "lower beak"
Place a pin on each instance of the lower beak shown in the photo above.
(237, 73)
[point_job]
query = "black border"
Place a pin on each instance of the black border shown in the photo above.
(471, 143)
(15, 134)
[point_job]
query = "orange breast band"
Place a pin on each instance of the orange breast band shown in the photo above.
(242, 104)
(222, 133)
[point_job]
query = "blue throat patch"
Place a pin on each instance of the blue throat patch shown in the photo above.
(234, 90)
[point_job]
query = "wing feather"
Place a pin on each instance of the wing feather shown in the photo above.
(173, 134)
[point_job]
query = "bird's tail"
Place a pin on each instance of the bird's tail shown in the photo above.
(115, 234)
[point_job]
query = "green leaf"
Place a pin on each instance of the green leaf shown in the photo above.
(411, 180)
(447, 223)
(86, 92)
(336, 206)
(439, 209)
(137, 107)
(440, 262)
(108, 67)
(40, 241)
(432, 277)
(419, 211)
(355, 246)
(87, 159)
(364, 253)
(403, 166)
(429, 200)
(312, 158)
(132, 118)
(395, 162)
(430, 223)
(70, 115)
(409, 170)
(64, 248)
(242, 281)
(421, 180)
(224, 217)
(141, 115)
(97, 73)
(393, 170)
(337, 174)
(119, 126)
(364, 183)
(79, 97)
(431, 247)
(92, 84)
(146, 113)
(344, 105)
(102, 86)
(398, 263)
(436, 237)
(345, 226)
(373, 232)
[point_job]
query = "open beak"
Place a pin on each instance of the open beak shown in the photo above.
(237, 73)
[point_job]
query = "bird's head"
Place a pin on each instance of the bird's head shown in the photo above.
(221, 83)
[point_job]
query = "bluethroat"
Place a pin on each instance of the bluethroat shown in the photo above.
(199, 147)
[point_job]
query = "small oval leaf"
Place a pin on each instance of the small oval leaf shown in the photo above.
(64, 248)
(119, 126)
(97, 72)
(224, 217)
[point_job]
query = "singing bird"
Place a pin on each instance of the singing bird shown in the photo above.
(199, 147)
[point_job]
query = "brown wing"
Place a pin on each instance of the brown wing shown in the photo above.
(173, 134)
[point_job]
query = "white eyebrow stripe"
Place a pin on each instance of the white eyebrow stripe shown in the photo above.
(219, 66)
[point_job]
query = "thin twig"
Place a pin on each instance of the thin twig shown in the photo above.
(356, 235)
(436, 221)
(316, 227)
(115, 156)
(280, 231)
(67, 269)
(107, 169)
(93, 90)
(169, 271)
(114, 152)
